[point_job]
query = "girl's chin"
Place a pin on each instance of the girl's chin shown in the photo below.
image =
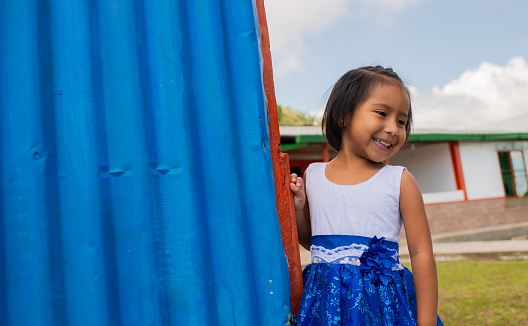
(377, 160)
(380, 158)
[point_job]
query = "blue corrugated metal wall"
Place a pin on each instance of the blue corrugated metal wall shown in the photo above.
(136, 178)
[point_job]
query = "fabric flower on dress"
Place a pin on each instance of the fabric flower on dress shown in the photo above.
(377, 261)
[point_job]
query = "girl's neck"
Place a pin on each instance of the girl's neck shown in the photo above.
(351, 169)
(352, 162)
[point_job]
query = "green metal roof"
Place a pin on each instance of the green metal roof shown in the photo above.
(426, 137)
(289, 147)
(468, 137)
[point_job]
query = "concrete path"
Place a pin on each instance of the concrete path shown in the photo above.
(476, 250)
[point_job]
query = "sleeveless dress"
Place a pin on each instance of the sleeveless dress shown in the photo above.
(355, 277)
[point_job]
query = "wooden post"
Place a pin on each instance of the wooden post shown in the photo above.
(281, 169)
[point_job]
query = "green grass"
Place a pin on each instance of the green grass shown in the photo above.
(483, 292)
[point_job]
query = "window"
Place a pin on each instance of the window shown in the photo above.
(513, 173)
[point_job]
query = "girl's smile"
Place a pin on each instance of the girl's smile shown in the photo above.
(384, 145)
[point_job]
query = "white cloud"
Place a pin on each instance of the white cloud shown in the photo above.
(290, 22)
(318, 114)
(482, 97)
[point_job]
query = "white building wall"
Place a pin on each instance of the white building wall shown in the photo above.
(431, 166)
(482, 173)
(480, 162)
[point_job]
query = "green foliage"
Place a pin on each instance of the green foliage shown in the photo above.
(290, 117)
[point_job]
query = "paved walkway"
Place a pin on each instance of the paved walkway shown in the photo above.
(453, 251)
(495, 250)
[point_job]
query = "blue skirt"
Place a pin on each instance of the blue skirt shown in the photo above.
(340, 294)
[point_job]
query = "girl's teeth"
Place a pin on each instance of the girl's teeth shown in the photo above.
(381, 142)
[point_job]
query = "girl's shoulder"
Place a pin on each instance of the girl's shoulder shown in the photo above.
(316, 166)
(394, 168)
(314, 173)
(392, 173)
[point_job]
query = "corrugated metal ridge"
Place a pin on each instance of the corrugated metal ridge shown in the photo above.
(136, 178)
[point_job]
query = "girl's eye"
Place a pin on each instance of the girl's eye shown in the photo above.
(402, 122)
(383, 114)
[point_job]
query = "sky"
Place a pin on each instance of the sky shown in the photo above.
(465, 61)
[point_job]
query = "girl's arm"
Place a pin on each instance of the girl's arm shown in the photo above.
(302, 211)
(420, 249)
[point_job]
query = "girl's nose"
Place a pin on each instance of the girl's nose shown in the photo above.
(391, 127)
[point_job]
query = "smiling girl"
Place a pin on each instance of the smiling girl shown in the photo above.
(350, 211)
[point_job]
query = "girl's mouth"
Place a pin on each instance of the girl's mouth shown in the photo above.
(382, 143)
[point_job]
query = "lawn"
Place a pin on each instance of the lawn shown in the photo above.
(483, 292)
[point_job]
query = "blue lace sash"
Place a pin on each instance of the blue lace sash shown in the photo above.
(346, 249)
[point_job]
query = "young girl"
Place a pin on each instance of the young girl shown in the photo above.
(349, 213)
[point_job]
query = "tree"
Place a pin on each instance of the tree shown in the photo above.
(290, 117)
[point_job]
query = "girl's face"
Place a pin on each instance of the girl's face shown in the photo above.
(376, 130)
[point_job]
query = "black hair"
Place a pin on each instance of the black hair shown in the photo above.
(352, 90)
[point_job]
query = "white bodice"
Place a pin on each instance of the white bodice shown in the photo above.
(368, 209)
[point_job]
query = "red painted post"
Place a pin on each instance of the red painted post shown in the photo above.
(326, 156)
(281, 168)
(457, 167)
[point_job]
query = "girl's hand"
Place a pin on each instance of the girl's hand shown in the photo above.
(302, 210)
(297, 187)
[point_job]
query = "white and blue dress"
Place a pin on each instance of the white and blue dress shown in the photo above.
(355, 277)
